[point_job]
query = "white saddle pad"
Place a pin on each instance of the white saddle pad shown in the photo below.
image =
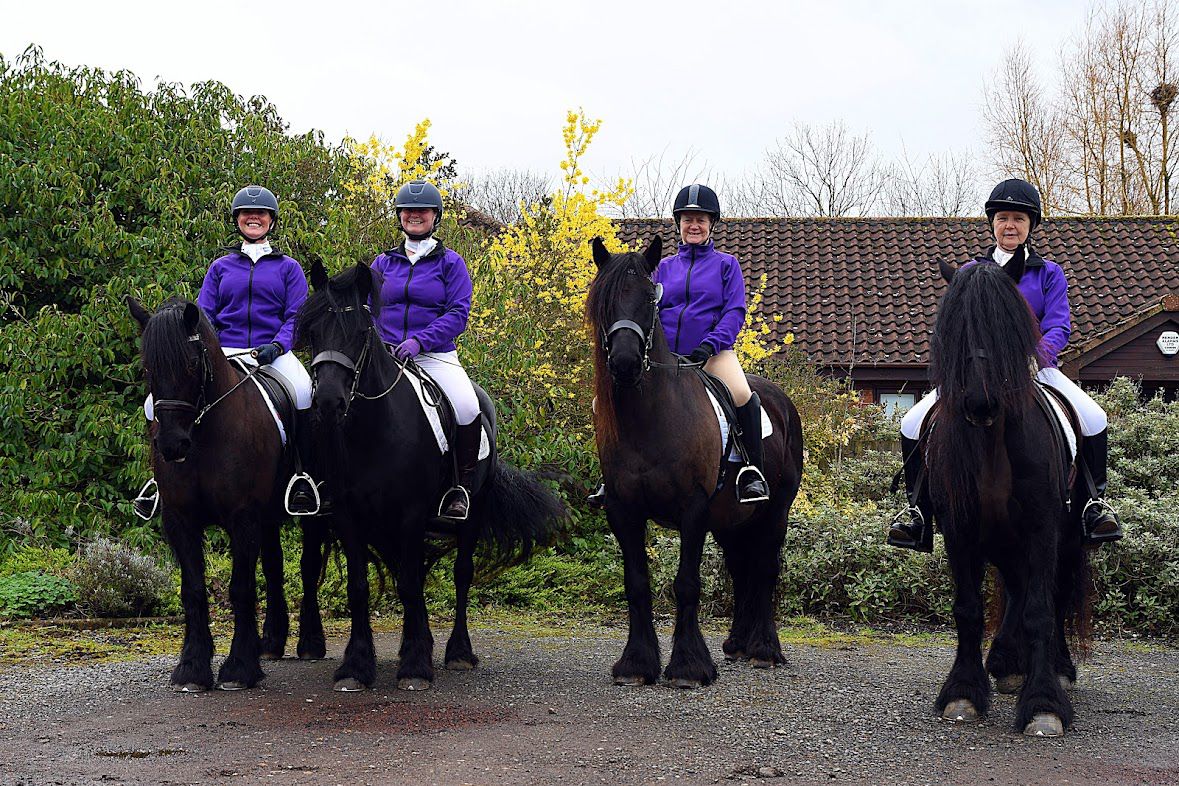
(243, 356)
(767, 427)
(435, 420)
(1065, 425)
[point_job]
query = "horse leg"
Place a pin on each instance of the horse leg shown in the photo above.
(639, 664)
(966, 693)
(762, 644)
(276, 625)
(194, 671)
(241, 668)
(312, 643)
(459, 655)
(736, 554)
(691, 664)
(1069, 596)
(416, 669)
(1043, 708)
(1006, 660)
(359, 668)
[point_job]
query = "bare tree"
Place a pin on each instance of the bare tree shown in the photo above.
(943, 185)
(500, 192)
(819, 172)
(657, 179)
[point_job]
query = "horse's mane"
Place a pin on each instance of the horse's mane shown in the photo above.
(606, 289)
(165, 338)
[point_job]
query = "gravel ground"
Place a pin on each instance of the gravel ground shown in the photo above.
(542, 709)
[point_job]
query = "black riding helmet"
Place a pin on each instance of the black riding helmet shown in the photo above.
(699, 198)
(419, 193)
(1014, 194)
(255, 198)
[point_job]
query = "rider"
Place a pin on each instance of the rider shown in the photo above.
(250, 296)
(703, 311)
(425, 302)
(1013, 212)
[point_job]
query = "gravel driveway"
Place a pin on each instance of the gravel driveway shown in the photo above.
(541, 709)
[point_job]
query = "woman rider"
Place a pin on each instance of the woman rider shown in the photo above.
(250, 296)
(425, 302)
(1013, 212)
(703, 311)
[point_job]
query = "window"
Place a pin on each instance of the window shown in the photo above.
(897, 403)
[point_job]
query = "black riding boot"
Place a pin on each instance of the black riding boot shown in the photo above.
(1099, 519)
(456, 502)
(302, 497)
(751, 483)
(917, 532)
(597, 498)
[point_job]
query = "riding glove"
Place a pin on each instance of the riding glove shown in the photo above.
(268, 353)
(701, 354)
(410, 348)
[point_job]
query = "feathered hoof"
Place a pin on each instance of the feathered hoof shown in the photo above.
(960, 711)
(685, 683)
(189, 687)
(413, 683)
(460, 664)
(1012, 683)
(1065, 683)
(349, 685)
(231, 685)
(630, 681)
(735, 655)
(271, 656)
(1044, 724)
(761, 663)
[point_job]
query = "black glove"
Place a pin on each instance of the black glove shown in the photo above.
(268, 353)
(701, 354)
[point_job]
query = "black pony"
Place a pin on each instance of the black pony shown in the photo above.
(998, 484)
(218, 459)
(660, 449)
(386, 475)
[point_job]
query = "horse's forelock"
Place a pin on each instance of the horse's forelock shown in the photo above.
(165, 340)
(342, 289)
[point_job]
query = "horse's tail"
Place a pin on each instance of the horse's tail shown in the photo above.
(519, 514)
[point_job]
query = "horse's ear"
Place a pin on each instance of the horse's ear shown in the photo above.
(192, 317)
(364, 281)
(653, 253)
(141, 314)
(319, 275)
(947, 269)
(601, 255)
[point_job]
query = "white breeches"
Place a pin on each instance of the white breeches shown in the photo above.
(1092, 416)
(288, 366)
(450, 375)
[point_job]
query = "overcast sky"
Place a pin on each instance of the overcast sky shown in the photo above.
(725, 78)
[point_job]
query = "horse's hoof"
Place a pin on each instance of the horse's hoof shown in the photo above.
(960, 711)
(271, 656)
(1012, 683)
(732, 656)
(460, 664)
(761, 663)
(685, 683)
(1065, 683)
(413, 683)
(348, 685)
(310, 658)
(1044, 724)
(189, 687)
(631, 682)
(231, 685)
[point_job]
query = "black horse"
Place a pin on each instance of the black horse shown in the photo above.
(386, 475)
(998, 485)
(660, 450)
(218, 458)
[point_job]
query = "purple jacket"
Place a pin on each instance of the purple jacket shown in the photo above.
(703, 298)
(428, 300)
(251, 304)
(1045, 289)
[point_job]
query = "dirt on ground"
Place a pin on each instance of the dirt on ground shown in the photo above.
(541, 709)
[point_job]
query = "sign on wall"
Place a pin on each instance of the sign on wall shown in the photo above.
(1168, 342)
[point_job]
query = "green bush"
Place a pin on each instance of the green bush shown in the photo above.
(44, 559)
(35, 593)
(115, 580)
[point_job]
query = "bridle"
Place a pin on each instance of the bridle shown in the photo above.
(645, 336)
(355, 368)
(200, 409)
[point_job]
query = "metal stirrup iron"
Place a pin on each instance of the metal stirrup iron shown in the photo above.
(314, 495)
(757, 476)
(442, 505)
(144, 498)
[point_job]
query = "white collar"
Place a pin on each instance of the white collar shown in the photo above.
(256, 251)
(1001, 256)
(416, 249)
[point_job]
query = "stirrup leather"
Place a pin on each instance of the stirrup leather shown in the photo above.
(442, 505)
(746, 469)
(149, 494)
(314, 495)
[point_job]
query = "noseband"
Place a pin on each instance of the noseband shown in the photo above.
(180, 405)
(355, 368)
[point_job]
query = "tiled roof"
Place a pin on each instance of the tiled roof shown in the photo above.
(864, 291)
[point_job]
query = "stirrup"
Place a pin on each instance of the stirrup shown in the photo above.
(314, 495)
(741, 473)
(145, 499)
(1102, 507)
(906, 521)
(442, 505)
(597, 498)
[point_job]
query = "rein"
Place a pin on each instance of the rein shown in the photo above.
(181, 405)
(356, 368)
